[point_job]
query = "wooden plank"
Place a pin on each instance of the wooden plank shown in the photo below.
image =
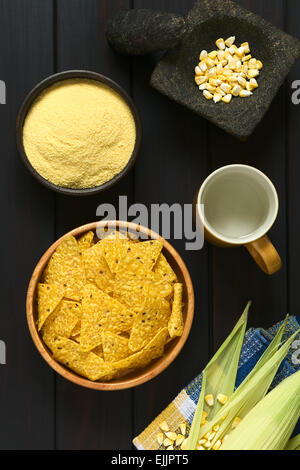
(237, 279)
(88, 419)
(293, 122)
(172, 164)
(26, 381)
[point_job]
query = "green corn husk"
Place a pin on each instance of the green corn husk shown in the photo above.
(219, 374)
(294, 443)
(250, 392)
(269, 425)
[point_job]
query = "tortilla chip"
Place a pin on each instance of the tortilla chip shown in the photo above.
(175, 325)
(48, 297)
(153, 350)
(65, 269)
(163, 269)
(88, 364)
(96, 268)
(101, 312)
(131, 289)
(115, 347)
(65, 318)
(154, 316)
(85, 241)
(137, 258)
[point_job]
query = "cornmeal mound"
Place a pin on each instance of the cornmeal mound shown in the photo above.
(79, 133)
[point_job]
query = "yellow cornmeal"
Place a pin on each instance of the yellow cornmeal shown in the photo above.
(79, 133)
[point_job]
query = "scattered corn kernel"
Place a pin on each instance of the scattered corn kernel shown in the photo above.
(229, 41)
(253, 73)
(179, 440)
(236, 422)
(203, 55)
(246, 47)
(209, 399)
(203, 86)
(245, 93)
(160, 438)
(183, 445)
(217, 98)
(198, 71)
(207, 95)
(203, 66)
(167, 442)
(259, 64)
(220, 44)
(213, 54)
(236, 90)
(240, 52)
(222, 398)
(164, 426)
(199, 80)
(227, 98)
(217, 445)
(182, 427)
(171, 435)
(246, 58)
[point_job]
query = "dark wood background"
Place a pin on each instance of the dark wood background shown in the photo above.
(38, 409)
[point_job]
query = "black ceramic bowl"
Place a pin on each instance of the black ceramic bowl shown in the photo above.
(37, 90)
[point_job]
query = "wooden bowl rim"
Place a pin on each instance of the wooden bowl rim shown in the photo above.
(124, 383)
(68, 75)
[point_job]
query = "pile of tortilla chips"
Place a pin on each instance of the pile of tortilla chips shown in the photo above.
(107, 308)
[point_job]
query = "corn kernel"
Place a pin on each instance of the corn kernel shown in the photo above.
(225, 87)
(245, 93)
(236, 90)
(216, 427)
(217, 445)
(209, 62)
(246, 58)
(209, 398)
(207, 95)
(222, 398)
(203, 66)
(227, 98)
(259, 64)
(217, 98)
(220, 43)
(253, 73)
(179, 440)
(203, 86)
(213, 54)
(242, 81)
(240, 52)
(210, 88)
(203, 55)
(236, 422)
(182, 427)
(246, 46)
(164, 426)
(198, 71)
(170, 448)
(229, 41)
(201, 442)
(171, 435)
(167, 442)
(211, 436)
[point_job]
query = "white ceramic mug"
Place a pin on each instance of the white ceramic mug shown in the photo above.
(237, 205)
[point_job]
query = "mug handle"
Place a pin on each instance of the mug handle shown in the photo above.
(265, 255)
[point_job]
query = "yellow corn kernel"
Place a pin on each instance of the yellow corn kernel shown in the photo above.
(213, 82)
(245, 93)
(220, 92)
(160, 438)
(164, 426)
(217, 98)
(253, 73)
(246, 58)
(252, 84)
(225, 87)
(242, 81)
(213, 54)
(207, 95)
(203, 55)
(203, 86)
(209, 62)
(236, 90)
(167, 442)
(211, 436)
(236, 422)
(216, 427)
(222, 398)
(170, 448)
(259, 64)
(179, 440)
(206, 436)
(210, 88)
(198, 71)
(203, 66)
(207, 445)
(201, 442)
(229, 41)
(210, 398)
(182, 427)
(246, 46)
(217, 445)
(171, 435)
(227, 98)
(240, 52)
(220, 44)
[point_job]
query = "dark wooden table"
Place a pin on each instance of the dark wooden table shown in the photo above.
(38, 409)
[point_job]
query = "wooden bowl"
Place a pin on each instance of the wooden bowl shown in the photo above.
(33, 95)
(138, 376)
